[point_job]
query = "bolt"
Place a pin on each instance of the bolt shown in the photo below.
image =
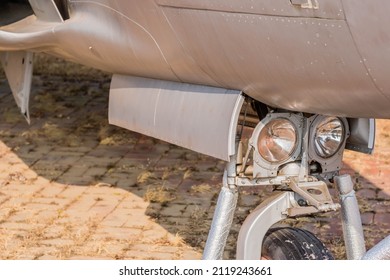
(302, 202)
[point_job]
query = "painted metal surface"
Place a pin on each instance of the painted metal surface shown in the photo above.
(46, 10)
(18, 67)
(362, 137)
(369, 23)
(330, 9)
(256, 225)
(331, 59)
(196, 117)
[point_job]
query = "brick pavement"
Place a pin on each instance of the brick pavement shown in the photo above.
(73, 187)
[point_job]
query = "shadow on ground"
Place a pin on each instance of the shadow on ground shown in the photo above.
(70, 143)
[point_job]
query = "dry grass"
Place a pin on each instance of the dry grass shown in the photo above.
(159, 194)
(202, 188)
(145, 177)
(196, 230)
(169, 240)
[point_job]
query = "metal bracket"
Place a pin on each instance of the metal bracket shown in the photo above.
(306, 4)
(315, 193)
(18, 67)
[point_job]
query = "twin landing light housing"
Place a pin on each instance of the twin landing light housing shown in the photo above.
(279, 138)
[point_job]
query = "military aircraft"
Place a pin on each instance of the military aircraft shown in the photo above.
(309, 76)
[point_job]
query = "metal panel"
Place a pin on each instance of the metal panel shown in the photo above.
(305, 63)
(328, 9)
(196, 117)
(18, 67)
(46, 10)
(362, 138)
(369, 23)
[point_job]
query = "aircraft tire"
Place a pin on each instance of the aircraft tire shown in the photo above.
(287, 243)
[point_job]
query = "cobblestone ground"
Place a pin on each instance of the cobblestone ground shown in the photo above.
(74, 187)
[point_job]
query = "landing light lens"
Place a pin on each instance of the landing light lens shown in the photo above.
(329, 135)
(277, 140)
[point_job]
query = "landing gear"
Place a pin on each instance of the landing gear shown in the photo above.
(300, 155)
(286, 243)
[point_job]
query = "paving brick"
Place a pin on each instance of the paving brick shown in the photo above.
(83, 203)
(134, 255)
(153, 235)
(382, 219)
(190, 255)
(18, 226)
(134, 202)
(384, 195)
(58, 242)
(16, 202)
(101, 210)
(154, 248)
(48, 257)
(114, 221)
(94, 257)
(175, 210)
(366, 193)
(116, 233)
(72, 192)
(76, 171)
(23, 216)
(95, 171)
(137, 222)
(382, 207)
(52, 190)
(367, 218)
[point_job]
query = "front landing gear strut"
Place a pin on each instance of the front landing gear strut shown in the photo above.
(223, 215)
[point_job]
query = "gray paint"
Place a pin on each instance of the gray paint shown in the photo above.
(46, 10)
(18, 67)
(197, 117)
(362, 138)
(332, 60)
(258, 222)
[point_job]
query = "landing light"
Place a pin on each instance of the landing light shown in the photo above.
(329, 136)
(277, 140)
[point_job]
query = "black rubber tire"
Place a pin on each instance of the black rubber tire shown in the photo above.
(286, 243)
